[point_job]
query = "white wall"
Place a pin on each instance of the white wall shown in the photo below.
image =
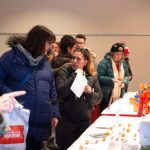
(96, 19)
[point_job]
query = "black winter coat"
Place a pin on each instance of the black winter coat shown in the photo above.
(60, 61)
(71, 107)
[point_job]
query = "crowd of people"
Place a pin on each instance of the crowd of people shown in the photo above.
(42, 70)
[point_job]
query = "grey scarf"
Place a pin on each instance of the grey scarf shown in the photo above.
(32, 61)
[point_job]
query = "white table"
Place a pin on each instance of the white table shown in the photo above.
(119, 124)
(97, 143)
(122, 106)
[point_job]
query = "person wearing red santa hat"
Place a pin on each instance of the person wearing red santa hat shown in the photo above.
(126, 58)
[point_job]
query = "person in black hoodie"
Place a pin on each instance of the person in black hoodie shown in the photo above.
(76, 112)
(67, 46)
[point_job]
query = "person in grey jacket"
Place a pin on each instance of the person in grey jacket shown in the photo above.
(112, 75)
(76, 111)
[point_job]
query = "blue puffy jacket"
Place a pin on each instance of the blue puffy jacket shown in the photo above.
(40, 87)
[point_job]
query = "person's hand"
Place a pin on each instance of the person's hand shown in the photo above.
(56, 54)
(122, 84)
(54, 122)
(79, 71)
(130, 78)
(87, 89)
(7, 101)
(115, 80)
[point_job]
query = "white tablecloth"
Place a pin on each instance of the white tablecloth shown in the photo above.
(97, 143)
(122, 106)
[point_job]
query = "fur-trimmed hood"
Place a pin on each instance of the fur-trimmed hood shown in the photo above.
(14, 40)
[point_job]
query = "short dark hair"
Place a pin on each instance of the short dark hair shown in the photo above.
(82, 36)
(65, 42)
(36, 38)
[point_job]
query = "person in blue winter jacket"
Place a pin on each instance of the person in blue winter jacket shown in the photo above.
(26, 67)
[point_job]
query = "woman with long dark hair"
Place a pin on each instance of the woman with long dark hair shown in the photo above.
(76, 111)
(26, 67)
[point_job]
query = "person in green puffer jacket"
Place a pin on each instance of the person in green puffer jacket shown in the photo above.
(113, 75)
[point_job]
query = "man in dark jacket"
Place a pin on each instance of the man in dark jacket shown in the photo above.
(67, 46)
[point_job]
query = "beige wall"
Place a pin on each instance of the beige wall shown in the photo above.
(95, 18)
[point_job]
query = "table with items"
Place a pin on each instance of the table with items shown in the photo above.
(116, 129)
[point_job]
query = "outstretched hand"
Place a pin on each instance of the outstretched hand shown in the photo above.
(7, 101)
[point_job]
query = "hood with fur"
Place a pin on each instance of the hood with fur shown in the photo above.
(14, 40)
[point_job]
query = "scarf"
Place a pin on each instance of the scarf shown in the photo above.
(117, 75)
(32, 61)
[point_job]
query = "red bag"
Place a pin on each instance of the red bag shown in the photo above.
(95, 113)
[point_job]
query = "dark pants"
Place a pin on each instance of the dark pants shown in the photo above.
(33, 145)
(67, 132)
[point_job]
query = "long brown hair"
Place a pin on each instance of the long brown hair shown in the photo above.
(36, 38)
(87, 56)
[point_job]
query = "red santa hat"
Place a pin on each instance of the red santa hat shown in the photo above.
(126, 50)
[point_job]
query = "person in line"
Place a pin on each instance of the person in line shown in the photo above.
(75, 113)
(56, 48)
(81, 43)
(67, 46)
(93, 55)
(25, 67)
(127, 60)
(54, 51)
(112, 75)
(80, 40)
